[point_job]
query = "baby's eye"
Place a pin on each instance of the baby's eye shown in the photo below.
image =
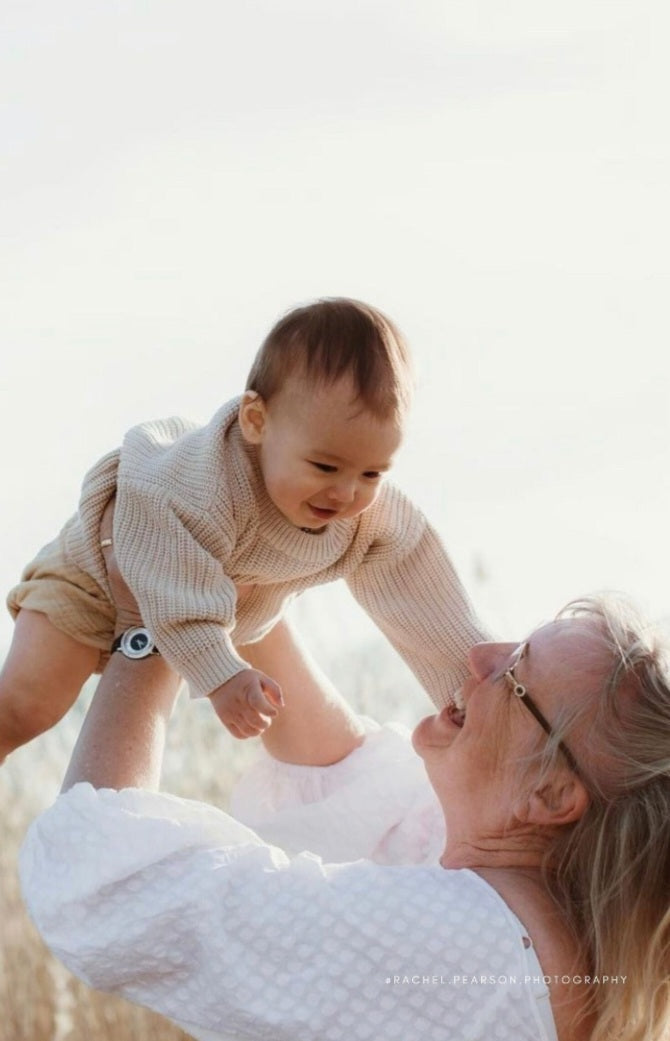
(372, 475)
(325, 468)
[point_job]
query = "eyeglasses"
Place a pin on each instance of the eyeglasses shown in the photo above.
(524, 697)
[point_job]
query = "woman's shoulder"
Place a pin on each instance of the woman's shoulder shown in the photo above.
(558, 951)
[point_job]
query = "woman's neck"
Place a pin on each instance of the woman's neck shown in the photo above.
(523, 850)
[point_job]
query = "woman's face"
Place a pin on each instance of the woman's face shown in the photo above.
(471, 756)
(464, 750)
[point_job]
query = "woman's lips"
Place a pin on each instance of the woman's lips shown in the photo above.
(455, 715)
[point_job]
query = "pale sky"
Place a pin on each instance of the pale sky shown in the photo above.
(493, 175)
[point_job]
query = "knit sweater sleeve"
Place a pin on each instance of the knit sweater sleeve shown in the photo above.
(409, 587)
(173, 548)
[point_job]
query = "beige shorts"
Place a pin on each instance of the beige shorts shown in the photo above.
(72, 601)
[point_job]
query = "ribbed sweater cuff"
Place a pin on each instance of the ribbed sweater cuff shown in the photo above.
(208, 668)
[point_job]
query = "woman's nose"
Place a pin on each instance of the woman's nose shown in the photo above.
(485, 658)
(478, 660)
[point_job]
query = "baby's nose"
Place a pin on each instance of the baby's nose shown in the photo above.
(343, 491)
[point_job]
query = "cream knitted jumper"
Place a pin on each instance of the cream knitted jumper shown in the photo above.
(193, 520)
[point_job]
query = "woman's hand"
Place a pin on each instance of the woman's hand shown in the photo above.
(127, 611)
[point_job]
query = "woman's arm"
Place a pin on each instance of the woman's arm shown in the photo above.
(316, 727)
(122, 741)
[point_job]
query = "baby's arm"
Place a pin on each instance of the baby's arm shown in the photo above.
(172, 557)
(410, 588)
(316, 727)
(247, 703)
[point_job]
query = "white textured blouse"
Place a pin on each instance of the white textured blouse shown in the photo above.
(180, 907)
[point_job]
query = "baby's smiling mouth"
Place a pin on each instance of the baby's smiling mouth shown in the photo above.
(323, 512)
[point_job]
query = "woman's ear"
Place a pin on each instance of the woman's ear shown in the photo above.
(560, 800)
(252, 416)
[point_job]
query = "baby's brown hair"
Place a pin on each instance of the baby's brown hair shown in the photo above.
(332, 338)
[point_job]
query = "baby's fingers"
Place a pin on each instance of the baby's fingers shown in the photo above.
(273, 692)
(265, 699)
(242, 730)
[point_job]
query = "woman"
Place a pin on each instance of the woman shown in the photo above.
(553, 783)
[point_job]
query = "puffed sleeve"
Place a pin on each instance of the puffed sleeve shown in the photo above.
(377, 803)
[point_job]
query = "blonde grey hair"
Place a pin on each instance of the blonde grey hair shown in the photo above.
(610, 870)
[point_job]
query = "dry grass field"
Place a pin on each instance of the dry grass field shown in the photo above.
(40, 1000)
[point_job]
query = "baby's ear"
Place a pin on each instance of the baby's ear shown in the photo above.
(252, 415)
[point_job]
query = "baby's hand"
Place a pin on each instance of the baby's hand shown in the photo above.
(247, 702)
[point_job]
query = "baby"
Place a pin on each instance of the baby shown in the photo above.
(217, 528)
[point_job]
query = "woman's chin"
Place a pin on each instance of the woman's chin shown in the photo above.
(422, 733)
(435, 732)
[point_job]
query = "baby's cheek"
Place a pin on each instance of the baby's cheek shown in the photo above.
(370, 494)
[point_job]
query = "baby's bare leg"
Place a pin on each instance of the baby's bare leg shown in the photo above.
(316, 727)
(41, 678)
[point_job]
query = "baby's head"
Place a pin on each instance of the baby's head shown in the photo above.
(326, 403)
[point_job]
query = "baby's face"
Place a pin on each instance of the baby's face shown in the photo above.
(322, 458)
